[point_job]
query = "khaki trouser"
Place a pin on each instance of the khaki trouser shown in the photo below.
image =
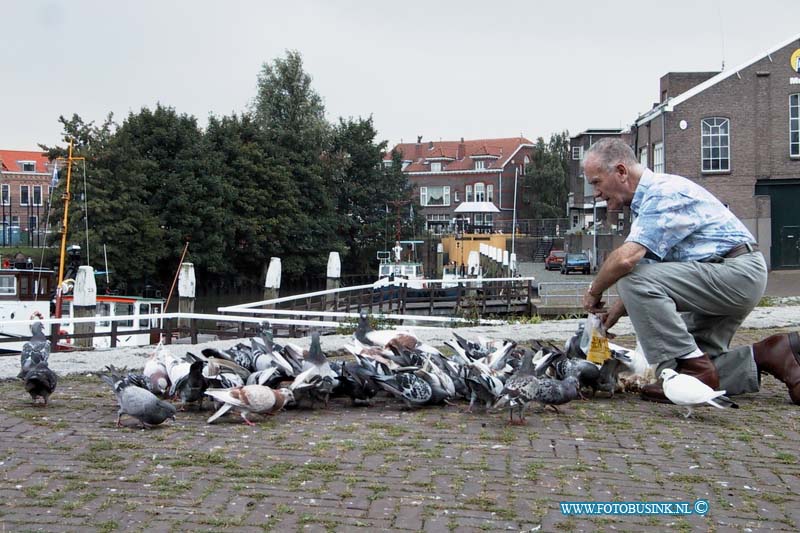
(678, 307)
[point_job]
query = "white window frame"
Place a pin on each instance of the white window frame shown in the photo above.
(480, 164)
(455, 197)
(424, 196)
(643, 157)
(577, 153)
(490, 193)
(711, 138)
(794, 125)
(23, 163)
(658, 157)
(6, 194)
(37, 191)
(24, 195)
(480, 192)
(436, 166)
(468, 195)
(527, 161)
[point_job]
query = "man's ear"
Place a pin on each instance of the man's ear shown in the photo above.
(622, 170)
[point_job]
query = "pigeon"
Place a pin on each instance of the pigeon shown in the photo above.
(551, 392)
(191, 387)
(415, 389)
(155, 370)
(40, 382)
(139, 403)
(250, 399)
(521, 387)
(686, 390)
(35, 351)
(318, 379)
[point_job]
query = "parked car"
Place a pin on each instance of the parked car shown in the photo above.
(554, 260)
(576, 263)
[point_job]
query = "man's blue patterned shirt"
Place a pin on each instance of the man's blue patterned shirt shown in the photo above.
(678, 220)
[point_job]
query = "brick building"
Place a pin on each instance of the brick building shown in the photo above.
(25, 180)
(736, 133)
(466, 185)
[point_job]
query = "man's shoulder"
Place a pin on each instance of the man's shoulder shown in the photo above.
(672, 184)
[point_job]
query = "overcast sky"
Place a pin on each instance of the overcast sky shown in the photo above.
(440, 69)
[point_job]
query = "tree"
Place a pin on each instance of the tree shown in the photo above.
(292, 118)
(263, 200)
(545, 180)
(363, 188)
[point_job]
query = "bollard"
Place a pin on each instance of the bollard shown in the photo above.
(439, 261)
(84, 304)
(506, 265)
(272, 284)
(186, 293)
(334, 279)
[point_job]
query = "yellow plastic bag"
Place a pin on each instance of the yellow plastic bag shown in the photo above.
(598, 344)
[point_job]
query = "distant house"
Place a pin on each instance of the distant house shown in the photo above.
(25, 180)
(466, 185)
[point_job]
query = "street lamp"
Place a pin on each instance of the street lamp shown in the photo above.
(514, 216)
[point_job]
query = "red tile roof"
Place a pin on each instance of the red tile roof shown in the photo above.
(417, 153)
(9, 159)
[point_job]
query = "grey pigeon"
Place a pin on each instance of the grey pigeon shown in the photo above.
(35, 351)
(139, 403)
(40, 382)
(520, 388)
(552, 392)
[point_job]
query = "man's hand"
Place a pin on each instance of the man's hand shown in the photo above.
(612, 315)
(592, 302)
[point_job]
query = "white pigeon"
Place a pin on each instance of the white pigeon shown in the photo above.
(682, 389)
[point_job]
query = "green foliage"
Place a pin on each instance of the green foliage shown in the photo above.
(278, 180)
(545, 181)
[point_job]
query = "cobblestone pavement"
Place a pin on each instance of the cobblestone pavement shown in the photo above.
(68, 468)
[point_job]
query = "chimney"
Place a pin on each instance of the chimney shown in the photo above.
(418, 148)
(430, 145)
(462, 150)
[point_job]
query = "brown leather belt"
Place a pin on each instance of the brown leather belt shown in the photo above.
(741, 249)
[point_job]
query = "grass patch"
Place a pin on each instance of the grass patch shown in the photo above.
(532, 471)
(786, 458)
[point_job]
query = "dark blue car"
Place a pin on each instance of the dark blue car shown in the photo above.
(576, 263)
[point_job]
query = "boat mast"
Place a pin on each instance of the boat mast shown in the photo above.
(66, 197)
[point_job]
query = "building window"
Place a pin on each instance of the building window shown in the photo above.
(577, 153)
(15, 220)
(715, 144)
(643, 156)
(436, 167)
(455, 196)
(480, 192)
(658, 157)
(490, 193)
(469, 193)
(480, 164)
(37, 195)
(525, 164)
(27, 166)
(23, 195)
(6, 194)
(437, 223)
(434, 196)
(794, 125)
